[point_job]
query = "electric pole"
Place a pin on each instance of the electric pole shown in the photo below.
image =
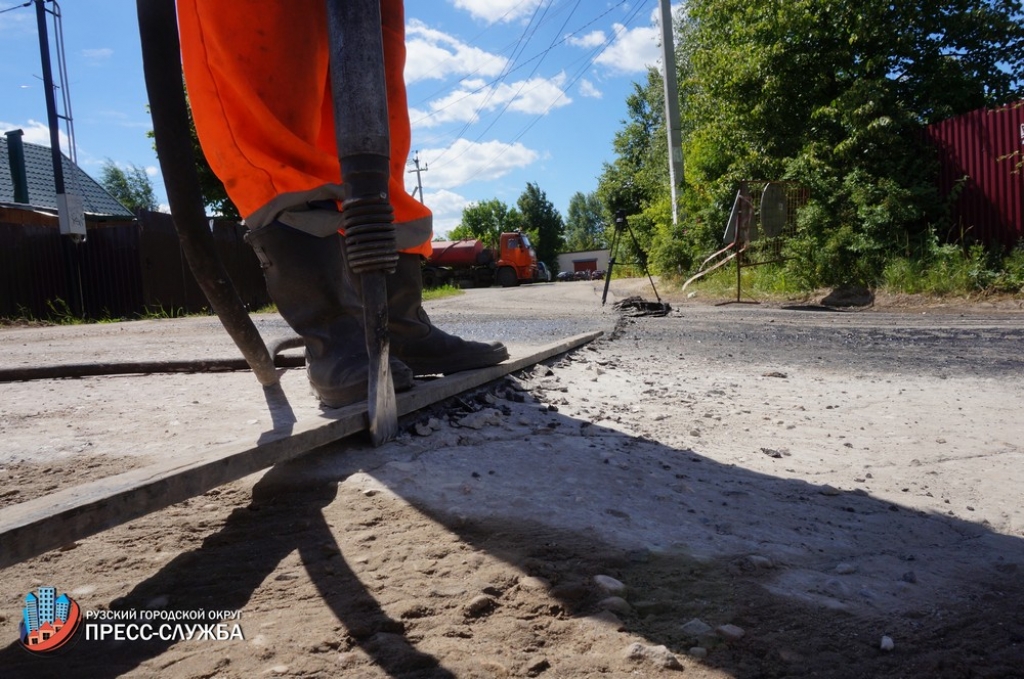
(675, 143)
(419, 170)
(70, 210)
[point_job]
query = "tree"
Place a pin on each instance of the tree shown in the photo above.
(585, 223)
(130, 186)
(835, 95)
(486, 221)
(542, 223)
(637, 181)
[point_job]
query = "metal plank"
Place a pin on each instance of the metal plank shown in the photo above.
(52, 521)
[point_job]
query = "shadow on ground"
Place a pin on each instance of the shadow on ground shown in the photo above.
(685, 533)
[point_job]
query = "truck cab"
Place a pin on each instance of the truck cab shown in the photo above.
(517, 260)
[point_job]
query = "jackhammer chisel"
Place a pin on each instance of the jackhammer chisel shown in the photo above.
(364, 150)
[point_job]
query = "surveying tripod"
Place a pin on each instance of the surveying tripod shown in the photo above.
(622, 225)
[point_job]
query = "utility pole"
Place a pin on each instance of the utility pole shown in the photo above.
(672, 123)
(419, 170)
(70, 212)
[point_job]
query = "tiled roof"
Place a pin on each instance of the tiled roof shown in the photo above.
(41, 192)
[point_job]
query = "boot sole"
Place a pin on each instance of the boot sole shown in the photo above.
(453, 364)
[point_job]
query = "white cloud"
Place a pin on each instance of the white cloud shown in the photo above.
(14, 23)
(432, 54)
(447, 207)
(497, 10)
(36, 133)
(474, 97)
(98, 55)
(468, 161)
(633, 50)
(152, 170)
(591, 40)
(588, 89)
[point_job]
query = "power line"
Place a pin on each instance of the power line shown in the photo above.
(523, 64)
(11, 9)
(589, 62)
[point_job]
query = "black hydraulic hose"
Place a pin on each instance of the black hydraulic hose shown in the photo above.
(158, 29)
(66, 370)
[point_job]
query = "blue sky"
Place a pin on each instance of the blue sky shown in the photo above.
(502, 92)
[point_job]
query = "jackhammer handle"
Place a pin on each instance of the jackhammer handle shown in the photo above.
(359, 92)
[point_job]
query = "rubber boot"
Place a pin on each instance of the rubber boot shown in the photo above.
(416, 341)
(306, 280)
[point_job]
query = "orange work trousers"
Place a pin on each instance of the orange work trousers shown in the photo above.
(258, 83)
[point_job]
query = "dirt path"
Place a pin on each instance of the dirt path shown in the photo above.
(726, 492)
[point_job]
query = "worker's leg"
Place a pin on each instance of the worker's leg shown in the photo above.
(257, 75)
(414, 339)
(305, 277)
(260, 92)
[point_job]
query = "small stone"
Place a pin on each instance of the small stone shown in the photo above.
(911, 577)
(535, 583)
(695, 433)
(479, 605)
(887, 644)
(616, 604)
(610, 585)
(656, 655)
(481, 419)
(698, 652)
(696, 628)
(423, 429)
(730, 632)
(829, 490)
(846, 569)
(662, 657)
(538, 667)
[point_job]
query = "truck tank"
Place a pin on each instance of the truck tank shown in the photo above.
(459, 254)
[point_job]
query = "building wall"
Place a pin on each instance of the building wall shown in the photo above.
(588, 260)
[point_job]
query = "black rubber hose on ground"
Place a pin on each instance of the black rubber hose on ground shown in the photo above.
(50, 372)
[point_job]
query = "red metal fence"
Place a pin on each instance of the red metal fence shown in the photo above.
(982, 158)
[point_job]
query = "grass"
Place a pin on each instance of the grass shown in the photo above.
(948, 271)
(61, 314)
(441, 292)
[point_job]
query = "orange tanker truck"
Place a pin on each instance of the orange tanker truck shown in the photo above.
(468, 264)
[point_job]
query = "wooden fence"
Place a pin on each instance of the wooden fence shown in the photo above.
(126, 269)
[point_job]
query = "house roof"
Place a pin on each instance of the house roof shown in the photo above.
(41, 191)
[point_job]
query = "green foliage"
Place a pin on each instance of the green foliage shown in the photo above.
(486, 221)
(441, 291)
(542, 223)
(585, 223)
(953, 270)
(130, 186)
(1010, 276)
(833, 95)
